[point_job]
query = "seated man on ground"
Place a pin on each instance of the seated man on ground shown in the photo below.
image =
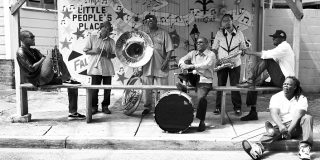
(288, 109)
(279, 62)
(38, 70)
(202, 61)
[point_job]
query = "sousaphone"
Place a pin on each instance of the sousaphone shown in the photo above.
(133, 49)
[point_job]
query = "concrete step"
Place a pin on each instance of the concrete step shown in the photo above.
(117, 132)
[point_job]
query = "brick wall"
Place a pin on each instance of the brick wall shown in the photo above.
(7, 74)
(309, 60)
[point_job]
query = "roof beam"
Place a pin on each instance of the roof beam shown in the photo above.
(296, 8)
(16, 6)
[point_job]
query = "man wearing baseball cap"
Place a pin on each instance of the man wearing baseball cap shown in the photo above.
(279, 62)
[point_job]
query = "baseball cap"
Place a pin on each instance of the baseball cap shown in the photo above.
(104, 24)
(279, 34)
(148, 16)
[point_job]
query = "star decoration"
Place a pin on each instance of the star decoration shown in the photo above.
(65, 43)
(121, 77)
(66, 13)
(67, 30)
(79, 33)
(121, 14)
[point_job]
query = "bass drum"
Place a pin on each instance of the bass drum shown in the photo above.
(174, 111)
(131, 97)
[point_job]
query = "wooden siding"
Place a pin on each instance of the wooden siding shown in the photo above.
(2, 46)
(309, 63)
(43, 24)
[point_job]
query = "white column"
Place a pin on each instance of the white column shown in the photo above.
(11, 24)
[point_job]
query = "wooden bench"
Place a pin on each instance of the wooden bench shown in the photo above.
(22, 98)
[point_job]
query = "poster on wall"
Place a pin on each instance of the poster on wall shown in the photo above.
(79, 19)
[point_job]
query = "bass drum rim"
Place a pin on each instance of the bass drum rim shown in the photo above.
(188, 116)
(126, 109)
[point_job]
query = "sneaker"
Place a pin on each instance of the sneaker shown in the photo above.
(72, 81)
(76, 116)
(238, 112)
(106, 110)
(145, 111)
(304, 151)
(254, 150)
(253, 115)
(217, 111)
(181, 87)
(246, 84)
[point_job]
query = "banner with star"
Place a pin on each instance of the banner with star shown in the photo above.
(78, 19)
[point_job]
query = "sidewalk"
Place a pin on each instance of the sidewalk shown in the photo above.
(51, 129)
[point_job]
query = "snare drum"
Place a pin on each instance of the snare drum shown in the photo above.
(174, 111)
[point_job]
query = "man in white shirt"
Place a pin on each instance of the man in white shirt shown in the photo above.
(279, 62)
(288, 110)
(202, 61)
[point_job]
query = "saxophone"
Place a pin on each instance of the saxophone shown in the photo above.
(226, 62)
(55, 61)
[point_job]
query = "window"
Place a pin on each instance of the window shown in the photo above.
(46, 4)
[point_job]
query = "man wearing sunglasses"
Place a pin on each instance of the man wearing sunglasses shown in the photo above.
(201, 62)
(37, 70)
(156, 71)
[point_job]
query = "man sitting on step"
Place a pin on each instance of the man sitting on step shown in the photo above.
(288, 111)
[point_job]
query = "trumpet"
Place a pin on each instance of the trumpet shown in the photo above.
(99, 58)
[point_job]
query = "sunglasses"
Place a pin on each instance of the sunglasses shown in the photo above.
(31, 37)
(150, 19)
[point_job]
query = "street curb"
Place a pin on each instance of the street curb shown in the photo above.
(32, 142)
(137, 143)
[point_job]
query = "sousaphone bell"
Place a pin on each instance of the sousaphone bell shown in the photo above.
(134, 48)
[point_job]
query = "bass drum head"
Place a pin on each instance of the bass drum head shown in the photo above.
(174, 111)
(131, 97)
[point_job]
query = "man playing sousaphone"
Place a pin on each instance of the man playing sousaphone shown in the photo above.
(156, 71)
(38, 70)
(201, 63)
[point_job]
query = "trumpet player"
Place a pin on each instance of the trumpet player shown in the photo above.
(228, 41)
(37, 69)
(202, 61)
(101, 49)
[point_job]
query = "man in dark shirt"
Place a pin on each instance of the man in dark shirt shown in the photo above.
(37, 69)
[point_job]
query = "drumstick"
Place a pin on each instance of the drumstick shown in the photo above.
(135, 133)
